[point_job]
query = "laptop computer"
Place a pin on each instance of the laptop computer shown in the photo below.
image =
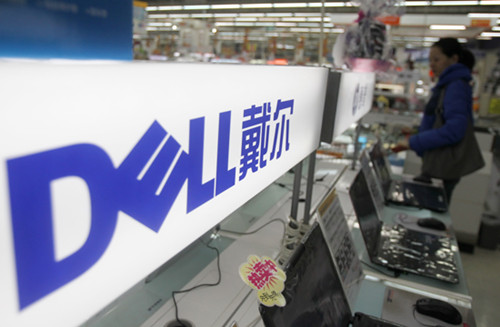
(313, 291)
(410, 193)
(399, 248)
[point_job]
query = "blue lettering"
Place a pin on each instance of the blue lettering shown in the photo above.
(135, 188)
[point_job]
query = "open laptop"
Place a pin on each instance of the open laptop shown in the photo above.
(399, 248)
(410, 193)
(313, 291)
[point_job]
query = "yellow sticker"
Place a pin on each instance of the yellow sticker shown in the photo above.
(267, 278)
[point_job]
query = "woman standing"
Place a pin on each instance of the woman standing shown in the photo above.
(449, 62)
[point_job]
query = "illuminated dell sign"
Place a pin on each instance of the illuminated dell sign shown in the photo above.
(144, 186)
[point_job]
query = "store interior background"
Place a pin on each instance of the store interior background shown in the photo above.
(304, 33)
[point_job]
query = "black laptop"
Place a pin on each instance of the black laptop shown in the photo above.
(410, 193)
(399, 248)
(313, 291)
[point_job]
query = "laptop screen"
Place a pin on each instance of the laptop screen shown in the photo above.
(380, 164)
(369, 223)
(313, 291)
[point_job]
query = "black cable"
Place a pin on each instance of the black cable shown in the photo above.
(198, 286)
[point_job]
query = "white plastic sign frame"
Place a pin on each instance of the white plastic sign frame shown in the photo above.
(109, 169)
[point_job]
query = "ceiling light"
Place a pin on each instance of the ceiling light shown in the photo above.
(308, 24)
(153, 16)
(280, 24)
(256, 5)
(294, 19)
(327, 4)
(202, 15)
(196, 7)
(263, 24)
(495, 28)
(179, 16)
(417, 3)
(226, 15)
(455, 3)
(290, 5)
(489, 2)
(448, 27)
(490, 34)
(483, 15)
(272, 14)
(230, 6)
(299, 30)
(252, 15)
(246, 19)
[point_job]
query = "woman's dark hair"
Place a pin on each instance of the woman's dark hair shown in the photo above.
(467, 58)
(450, 47)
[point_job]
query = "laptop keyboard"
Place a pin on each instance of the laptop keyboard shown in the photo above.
(420, 253)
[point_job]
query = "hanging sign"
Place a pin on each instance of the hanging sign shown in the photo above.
(110, 169)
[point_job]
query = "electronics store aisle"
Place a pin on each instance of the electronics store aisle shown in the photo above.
(483, 278)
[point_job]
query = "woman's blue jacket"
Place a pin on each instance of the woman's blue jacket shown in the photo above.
(457, 110)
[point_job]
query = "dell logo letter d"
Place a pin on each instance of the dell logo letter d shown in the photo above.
(38, 272)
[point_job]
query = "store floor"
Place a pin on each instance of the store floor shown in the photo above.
(482, 269)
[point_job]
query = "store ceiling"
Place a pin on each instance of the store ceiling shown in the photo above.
(295, 18)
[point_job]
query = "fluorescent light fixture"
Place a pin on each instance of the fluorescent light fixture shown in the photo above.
(328, 25)
(269, 19)
(290, 5)
(417, 3)
(252, 15)
(489, 3)
(202, 15)
(264, 24)
(318, 19)
(151, 8)
(153, 16)
(277, 14)
(256, 5)
(337, 30)
(224, 24)
(490, 34)
(282, 24)
(242, 24)
(327, 4)
(225, 15)
(308, 25)
(299, 30)
(159, 24)
(483, 15)
(462, 40)
(170, 8)
(230, 6)
(246, 19)
(179, 16)
(294, 19)
(307, 14)
(495, 28)
(448, 27)
(455, 3)
(484, 38)
(196, 7)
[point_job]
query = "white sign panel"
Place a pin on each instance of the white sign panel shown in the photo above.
(354, 99)
(110, 169)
